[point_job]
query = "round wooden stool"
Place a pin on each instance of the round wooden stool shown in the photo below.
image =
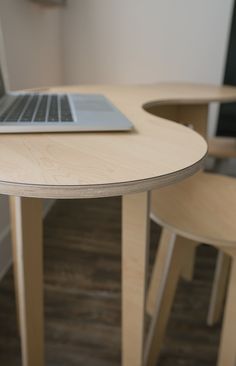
(221, 149)
(201, 209)
(195, 115)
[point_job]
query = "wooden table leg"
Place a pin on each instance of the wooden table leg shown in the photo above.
(135, 244)
(26, 216)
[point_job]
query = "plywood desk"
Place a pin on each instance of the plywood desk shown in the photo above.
(85, 165)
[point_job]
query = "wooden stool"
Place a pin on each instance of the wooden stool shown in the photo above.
(220, 148)
(201, 209)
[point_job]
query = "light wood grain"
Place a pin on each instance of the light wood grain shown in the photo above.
(201, 208)
(160, 268)
(187, 272)
(26, 216)
(135, 245)
(194, 116)
(190, 115)
(167, 281)
(219, 288)
(14, 239)
(77, 165)
(222, 147)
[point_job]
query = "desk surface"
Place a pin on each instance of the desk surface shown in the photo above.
(72, 165)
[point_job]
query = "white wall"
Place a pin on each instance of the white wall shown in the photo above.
(139, 41)
(33, 53)
(32, 43)
(146, 41)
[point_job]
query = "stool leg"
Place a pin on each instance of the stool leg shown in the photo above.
(165, 292)
(26, 216)
(15, 268)
(219, 288)
(163, 252)
(227, 352)
(218, 164)
(188, 266)
(135, 244)
(186, 271)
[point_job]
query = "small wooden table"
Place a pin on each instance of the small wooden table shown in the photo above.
(87, 165)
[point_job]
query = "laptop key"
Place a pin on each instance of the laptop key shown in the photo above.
(30, 110)
(66, 115)
(41, 112)
(53, 115)
(5, 114)
(16, 112)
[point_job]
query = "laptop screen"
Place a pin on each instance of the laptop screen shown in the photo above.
(2, 88)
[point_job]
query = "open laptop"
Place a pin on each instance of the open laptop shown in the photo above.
(36, 112)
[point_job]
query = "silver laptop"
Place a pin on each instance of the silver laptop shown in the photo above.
(36, 112)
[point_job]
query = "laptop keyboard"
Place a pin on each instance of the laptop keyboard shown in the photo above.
(38, 108)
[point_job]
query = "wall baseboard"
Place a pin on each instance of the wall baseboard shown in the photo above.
(5, 243)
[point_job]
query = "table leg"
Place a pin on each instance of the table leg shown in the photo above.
(135, 244)
(26, 216)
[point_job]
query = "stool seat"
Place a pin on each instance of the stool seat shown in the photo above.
(201, 208)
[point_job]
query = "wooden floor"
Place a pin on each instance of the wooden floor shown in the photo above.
(83, 294)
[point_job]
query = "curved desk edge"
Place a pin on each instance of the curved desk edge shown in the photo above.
(96, 191)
